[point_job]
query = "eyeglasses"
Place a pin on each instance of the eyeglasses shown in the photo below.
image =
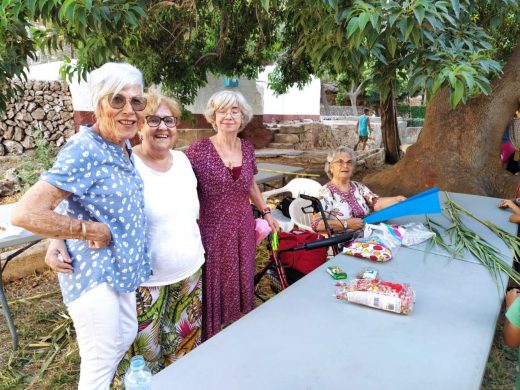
(117, 102)
(234, 112)
(342, 162)
(155, 120)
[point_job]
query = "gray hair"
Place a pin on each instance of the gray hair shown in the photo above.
(112, 77)
(333, 153)
(223, 100)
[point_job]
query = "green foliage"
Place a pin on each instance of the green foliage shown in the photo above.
(99, 30)
(430, 44)
(173, 43)
(33, 166)
(415, 122)
(407, 111)
(341, 95)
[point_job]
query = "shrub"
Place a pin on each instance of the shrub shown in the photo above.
(415, 122)
(341, 96)
(407, 111)
(32, 167)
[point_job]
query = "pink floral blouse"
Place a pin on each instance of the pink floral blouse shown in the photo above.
(358, 202)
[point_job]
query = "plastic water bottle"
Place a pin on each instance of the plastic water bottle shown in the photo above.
(138, 376)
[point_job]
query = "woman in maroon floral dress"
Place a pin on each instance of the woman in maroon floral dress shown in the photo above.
(225, 167)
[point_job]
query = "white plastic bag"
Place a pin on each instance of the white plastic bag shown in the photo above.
(415, 233)
(390, 236)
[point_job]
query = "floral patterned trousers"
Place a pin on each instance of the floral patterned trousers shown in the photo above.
(169, 323)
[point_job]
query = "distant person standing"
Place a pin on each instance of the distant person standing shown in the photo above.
(363, 126)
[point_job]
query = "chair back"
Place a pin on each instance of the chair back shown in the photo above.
(296, 187)
(300, 219)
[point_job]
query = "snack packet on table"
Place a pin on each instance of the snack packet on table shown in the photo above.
(395, 297)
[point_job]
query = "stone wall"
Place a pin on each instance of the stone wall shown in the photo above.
(43, 111)
(409, 135)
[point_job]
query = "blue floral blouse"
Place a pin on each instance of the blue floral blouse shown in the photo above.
(104, 187)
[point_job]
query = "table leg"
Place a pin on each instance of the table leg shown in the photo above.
(7, 315)
(3, 299)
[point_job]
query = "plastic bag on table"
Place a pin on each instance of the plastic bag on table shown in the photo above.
(390, 236)
(395, 297)
(415, 233)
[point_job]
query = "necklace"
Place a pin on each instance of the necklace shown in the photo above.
(227, 154)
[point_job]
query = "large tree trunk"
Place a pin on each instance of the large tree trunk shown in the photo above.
(458, 150)
(389, 128)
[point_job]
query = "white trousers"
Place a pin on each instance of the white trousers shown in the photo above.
(106, 325)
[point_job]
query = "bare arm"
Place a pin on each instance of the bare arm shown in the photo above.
(388, 201)
(256, 198)
(341, 225)
(369, 125)
(35, 212)
(511, 332)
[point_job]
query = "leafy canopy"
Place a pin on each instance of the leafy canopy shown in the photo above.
(173, 42)
(430, 43)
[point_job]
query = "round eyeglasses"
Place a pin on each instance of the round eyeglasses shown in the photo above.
(155, 120)
(342, 162)
(234, 112)
(118, 101)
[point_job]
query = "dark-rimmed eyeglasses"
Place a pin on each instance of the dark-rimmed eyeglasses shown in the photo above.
(118, 101)
(155, 120)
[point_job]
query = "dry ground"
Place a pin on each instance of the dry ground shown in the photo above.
(48, 357)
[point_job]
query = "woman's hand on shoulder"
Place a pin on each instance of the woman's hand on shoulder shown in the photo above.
(57, 257)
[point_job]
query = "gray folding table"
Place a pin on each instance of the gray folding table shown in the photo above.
(23, 237)
(268, 172)
(304, 338)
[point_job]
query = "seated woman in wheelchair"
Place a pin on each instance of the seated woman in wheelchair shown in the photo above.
(345, 201)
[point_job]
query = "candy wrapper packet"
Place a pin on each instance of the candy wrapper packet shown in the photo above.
(395, 297)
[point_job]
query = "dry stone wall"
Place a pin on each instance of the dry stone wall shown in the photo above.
(44, 111)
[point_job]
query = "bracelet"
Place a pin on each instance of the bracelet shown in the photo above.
(265, 211)
(83, 231)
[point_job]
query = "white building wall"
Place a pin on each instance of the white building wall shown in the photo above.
(295, 102)
(259, 96)
(262, 99)
(246, 87)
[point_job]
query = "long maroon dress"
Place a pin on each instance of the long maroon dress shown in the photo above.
(228, 235)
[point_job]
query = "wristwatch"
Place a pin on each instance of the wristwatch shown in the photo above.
(265, 211)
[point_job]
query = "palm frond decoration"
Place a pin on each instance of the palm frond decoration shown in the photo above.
(462, 238)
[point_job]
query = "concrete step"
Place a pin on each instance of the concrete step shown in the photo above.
(272, 153)
(281, 145)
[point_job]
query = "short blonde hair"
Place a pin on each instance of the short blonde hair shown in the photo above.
(112, 77)
(223, 100)
(156, 100)
(332, 154)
